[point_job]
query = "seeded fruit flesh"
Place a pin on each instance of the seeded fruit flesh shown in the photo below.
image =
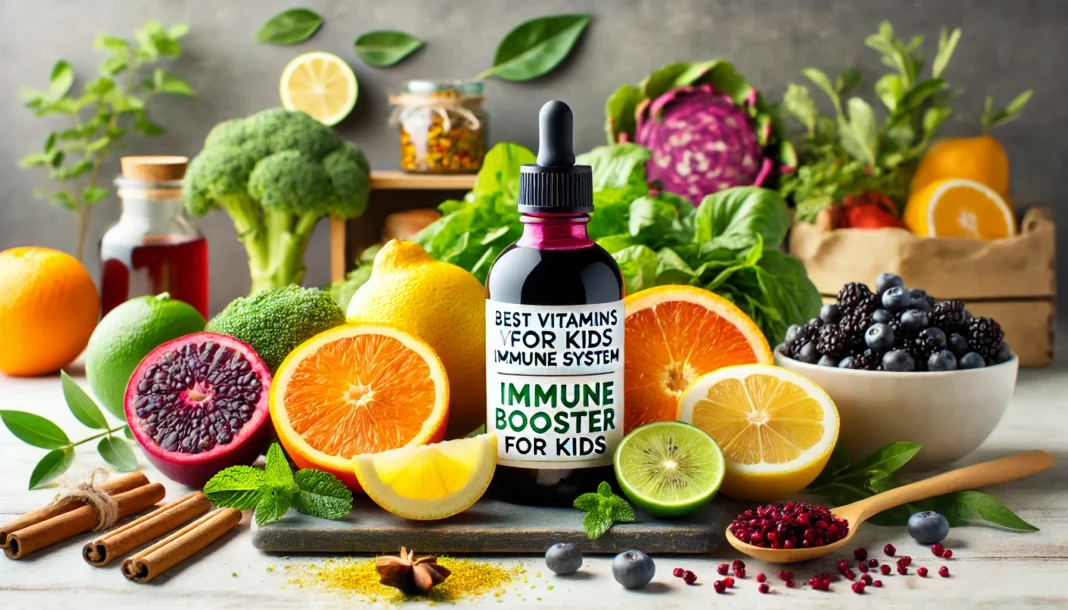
(198, 404)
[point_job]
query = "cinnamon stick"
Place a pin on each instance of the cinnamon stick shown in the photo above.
(180, 545)
(103, 550)
(113, 485)
(30, 539)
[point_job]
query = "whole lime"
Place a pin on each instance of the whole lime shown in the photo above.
(126, 335)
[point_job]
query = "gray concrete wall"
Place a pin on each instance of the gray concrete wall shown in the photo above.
(1007, 46)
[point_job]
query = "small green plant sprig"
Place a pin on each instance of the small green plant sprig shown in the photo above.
(274, 489)
(603, 509)
(101, 113)
(844, 482)
(41, 432)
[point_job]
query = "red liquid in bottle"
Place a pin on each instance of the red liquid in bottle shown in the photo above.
(173, 264)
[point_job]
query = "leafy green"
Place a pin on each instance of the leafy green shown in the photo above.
(535, 47)
(117, 452)
(844, 483)
(34, 430)
(729, 244)
(385, 48)
(273, 490)
(51, 466)
(603, 508)
(290, 27)
(81, 405)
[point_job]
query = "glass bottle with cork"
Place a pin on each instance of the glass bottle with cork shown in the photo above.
(153, 248)
(554, 335)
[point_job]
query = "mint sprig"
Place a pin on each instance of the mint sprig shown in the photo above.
(273, 490)
(844, 483)
(603, 509)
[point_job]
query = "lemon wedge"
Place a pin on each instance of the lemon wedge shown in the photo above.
(776, 428)
(321, 84)
(431, 481)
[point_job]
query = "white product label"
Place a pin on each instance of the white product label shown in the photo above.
(554, 383)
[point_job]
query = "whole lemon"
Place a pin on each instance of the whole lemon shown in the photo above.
(48, 309)
(981, 159)
(441, 304)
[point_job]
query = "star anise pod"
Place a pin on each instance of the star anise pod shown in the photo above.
(409, 574)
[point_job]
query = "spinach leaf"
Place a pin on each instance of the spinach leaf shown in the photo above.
(290, 27)
(535, 47)
(385, 48)
(733, 218)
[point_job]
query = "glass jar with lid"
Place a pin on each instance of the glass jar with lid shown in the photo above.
(442, 126)
(153, 248)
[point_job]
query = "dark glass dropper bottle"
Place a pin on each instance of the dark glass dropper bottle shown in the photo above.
(555, 335)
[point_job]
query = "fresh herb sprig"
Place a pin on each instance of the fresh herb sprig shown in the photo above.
(603, 509)
(274, 489)
(130, 75)
(844, 482)
(39, 431)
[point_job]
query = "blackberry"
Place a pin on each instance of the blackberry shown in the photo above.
(857, 320)
(950, 316)
(984, 336)
(805, 334)
(929, 341)
(864, 361)
(831, 341)
(853, 294)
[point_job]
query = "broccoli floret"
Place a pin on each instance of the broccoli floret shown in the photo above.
(277, 173)
(275, 322)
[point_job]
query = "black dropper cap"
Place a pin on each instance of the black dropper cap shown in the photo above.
(555, 185)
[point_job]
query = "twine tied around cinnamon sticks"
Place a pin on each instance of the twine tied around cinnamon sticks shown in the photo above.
(444, 107)
(92, 493)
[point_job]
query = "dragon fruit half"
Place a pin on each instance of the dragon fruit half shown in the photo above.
(706, 129)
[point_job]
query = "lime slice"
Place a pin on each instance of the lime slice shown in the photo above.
(669, 468)
(321, 84)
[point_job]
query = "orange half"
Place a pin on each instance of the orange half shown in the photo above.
(675, 334)
(358, 389)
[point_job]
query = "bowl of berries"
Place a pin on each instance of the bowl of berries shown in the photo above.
(903, 366)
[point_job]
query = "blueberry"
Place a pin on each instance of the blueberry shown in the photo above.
(934, 337)
(815, 322)
(898, 361)
(971, 360)
(942, 361)
(881, 315)
(914, 320)
(792, 334)
(563, 558)
(830, 361)
(886, 281)
(918, 299)
(957, 344)
(1004, 353)
(847, 362)
(633, 569)
(809, 353)
(830, 313)
(928, 527)
(896, 299)
(879, 337)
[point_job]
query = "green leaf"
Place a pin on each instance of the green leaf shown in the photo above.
(168, 83)
(890, 91)
(596, 523)
(290, 27)
(858, 135)
(888, 458)
(992, 118)
(100, 86)
(604, 490)
(113, 66)
(34, 429)
(177, 31)
(81, 404)
(117, 452)
(236, 487)
(946, 45)
(588, 501)
(64, 199)
(535, 47)
(94, 194)
(128, 433)
(273, 504)
(384, 48)
(277, 470)
(736, 217)
(111, 44)
(621, 510)
(62, 79)
(143, 125)
(617, 166)
(638, 265)
(820, 79)
(82, 167)
(993, 511)
(35, 160)
(798, 103)
(52, 465)
(321, 495)
(619, 112)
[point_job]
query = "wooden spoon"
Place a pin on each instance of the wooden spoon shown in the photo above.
(979, 475)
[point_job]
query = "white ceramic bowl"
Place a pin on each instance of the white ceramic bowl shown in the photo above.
(950, 413)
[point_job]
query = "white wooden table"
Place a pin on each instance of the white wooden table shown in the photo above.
(990, 569)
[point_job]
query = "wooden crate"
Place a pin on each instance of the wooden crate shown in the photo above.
(391, 191)
(1011, 280)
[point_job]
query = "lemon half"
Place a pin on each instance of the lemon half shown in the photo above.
(321, 84)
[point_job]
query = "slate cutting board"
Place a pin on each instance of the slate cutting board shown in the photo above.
(491, 526)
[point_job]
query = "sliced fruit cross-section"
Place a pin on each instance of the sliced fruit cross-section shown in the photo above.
(776, 428)
(355, 389)
(675, 334)
(321, 84)
(430, 482)
(959, 208)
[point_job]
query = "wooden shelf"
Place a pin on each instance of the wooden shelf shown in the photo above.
(393, 180)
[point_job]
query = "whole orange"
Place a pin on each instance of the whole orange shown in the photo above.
(48, 309)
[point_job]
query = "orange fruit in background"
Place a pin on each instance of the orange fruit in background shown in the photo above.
(48, 309)
(674, 334)
(356, 389)
(981, 159)
(959, 208)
